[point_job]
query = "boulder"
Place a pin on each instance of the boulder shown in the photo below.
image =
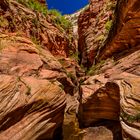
(99, 100)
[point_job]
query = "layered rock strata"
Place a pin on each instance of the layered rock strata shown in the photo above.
(37, 25)
(94, 24)
(125, 36)
(32, 107)
(113, 94)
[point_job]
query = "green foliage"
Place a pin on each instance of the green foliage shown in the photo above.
(95, 68)
(100, 38)
(70, 75)
(130, 118)
(74, 55)
(111, 5)
(35, 40)
(59, 19)
(37, 6)
(55, 14)
(3, 22)
(62, 61)
(36, 22)
(61, 86)
(108, 25)
(34, 5)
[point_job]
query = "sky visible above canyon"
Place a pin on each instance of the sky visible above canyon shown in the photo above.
(67, 6)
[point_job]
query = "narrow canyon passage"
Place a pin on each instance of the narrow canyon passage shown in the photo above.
(70, 77)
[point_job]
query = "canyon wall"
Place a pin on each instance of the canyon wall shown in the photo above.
(35, 75)
(94, 25)
(111, 91)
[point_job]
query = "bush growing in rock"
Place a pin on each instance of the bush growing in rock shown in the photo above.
(59, 19)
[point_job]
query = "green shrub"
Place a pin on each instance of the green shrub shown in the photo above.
(59, 19)
(100, 38)
(70, 75)
(130, 118)
(95, 68)
(55, 14)
(111, 5)
(3, 22)
(74, 55)
(34, 5)
(62, 86)
(108, 25)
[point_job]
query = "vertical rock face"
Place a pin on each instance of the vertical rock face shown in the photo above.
(39, 83)
(94, 24)
(33, 82)
(114, 94)
(103, 33)
(125, 37)
(74, 20)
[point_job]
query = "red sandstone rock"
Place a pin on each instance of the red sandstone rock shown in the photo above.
(40, 28)
(92, 29)
(125, 37)
(100, 100)
(31, 107)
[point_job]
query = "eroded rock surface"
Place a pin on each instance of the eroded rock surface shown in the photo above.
(39, 83)
(37, 25)
(100, 100)
(125, 36)
(94, 24)
(130, 107)
(115, 97)
(31, 106)
(114, 86)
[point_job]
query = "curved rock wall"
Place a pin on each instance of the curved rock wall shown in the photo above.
(100, 100)
(126, 39)
(104, 33)
(31, 106)
(114, 93)
(130, 107)
(37, 89)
